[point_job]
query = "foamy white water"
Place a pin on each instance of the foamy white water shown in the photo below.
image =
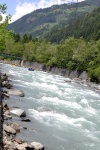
(64, 116)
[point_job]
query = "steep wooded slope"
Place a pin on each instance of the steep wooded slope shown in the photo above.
(40, 22)
(87, 27)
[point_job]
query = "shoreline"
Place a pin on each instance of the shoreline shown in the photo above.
(78, 77)
(1, 123)
(12, 118)
(55, 70)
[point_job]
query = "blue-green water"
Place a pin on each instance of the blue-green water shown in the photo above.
(64, 116)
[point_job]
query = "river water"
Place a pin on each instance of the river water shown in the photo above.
(64, 115)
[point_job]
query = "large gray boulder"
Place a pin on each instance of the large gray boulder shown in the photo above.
(18, 112)
(16, 92)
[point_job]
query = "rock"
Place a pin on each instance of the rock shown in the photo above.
(16, 92)
(18, 112)
(29, 147)
(26, 120)
(8, 143)
(6, 117)
(4, 77)
(5, 95)
(6, 147)
(8, 129)
(68, 80)
(25, 128)
(15, 126)
(37, 146)
(18, 141)
(6, 108)
(21, 146)
(9, 86)
(4, 104)
(5, 83)
(7, 112)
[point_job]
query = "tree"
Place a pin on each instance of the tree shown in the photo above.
(4, 34)
(16, 37)
(2, 9)
(25, 38)
(9, 44)
(30, 38)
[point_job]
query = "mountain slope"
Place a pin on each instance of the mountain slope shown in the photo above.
(87, 27)
(40, 22)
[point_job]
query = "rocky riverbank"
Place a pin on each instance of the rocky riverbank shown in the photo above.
(10, 127)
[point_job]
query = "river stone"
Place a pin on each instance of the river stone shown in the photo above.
(21, 146)
(68, 80)
(18, 141)
(9, 143)
(6, 117)
(7, 112)
(16, 92)
(5, 95)
(6, 146)
(8, 129)
(15, 126)
(37, 146)
(4, 83)
(4, 77)
(18, 112)
(4, 104)
(26, 120)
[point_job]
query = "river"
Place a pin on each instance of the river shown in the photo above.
(64, 115)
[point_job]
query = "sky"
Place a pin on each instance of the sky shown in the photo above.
(19, 8)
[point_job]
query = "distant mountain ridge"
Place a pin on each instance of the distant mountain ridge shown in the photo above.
(40, 22)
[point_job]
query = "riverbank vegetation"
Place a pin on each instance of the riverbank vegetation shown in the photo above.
(72, 53)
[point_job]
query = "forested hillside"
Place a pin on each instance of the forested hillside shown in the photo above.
(87, 27)
(40, 22)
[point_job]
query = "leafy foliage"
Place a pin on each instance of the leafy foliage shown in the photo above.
(4, 34)
(72, 53)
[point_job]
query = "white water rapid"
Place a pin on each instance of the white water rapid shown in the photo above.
(64, 115)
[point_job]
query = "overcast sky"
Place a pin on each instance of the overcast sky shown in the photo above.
(19, 8)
